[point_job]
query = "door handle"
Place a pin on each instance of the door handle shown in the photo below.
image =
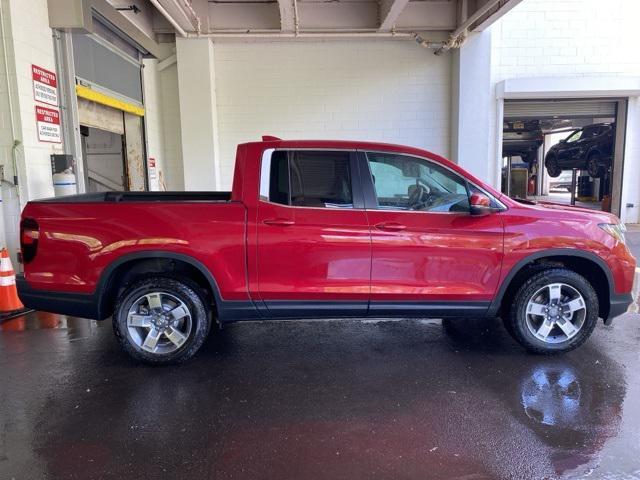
(390, 226)
(278, 222)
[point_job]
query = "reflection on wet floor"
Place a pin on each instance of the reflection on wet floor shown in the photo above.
(551, 395)
(337, 399)
(76, 327)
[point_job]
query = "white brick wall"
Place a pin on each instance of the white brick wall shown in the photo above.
(567, 37)
(390, 91)
(29, 41)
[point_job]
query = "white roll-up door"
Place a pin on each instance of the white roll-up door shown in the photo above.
(559, 109)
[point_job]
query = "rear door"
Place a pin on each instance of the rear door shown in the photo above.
(313, 241)
(429, 254)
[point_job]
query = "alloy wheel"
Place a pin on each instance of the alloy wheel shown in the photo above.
(159, 322)
(555, 313)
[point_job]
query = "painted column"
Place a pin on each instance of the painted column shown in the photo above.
(198, 114)
(473, 110)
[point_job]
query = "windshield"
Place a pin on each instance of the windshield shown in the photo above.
(574, 137)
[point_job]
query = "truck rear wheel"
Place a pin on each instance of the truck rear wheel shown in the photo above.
(161, 320)
(555, 310)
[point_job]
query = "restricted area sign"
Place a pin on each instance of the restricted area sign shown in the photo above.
(153, 173)
(48, 121)
(45, 85)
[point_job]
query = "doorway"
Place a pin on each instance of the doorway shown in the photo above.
(564, 151)
(104, 160)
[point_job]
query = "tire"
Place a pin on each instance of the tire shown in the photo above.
(545, 333)
(594, 169)
(161, 320)
(529, 157)
(553, 169)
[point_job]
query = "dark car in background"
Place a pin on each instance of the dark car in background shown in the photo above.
(589, 148)
(522, 138)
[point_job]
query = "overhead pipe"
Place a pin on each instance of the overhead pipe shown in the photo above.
(459, 35)
(169, 18)
(277, 34)
(296, 22)
(187, 4)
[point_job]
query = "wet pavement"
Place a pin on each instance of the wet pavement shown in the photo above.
(337, 399)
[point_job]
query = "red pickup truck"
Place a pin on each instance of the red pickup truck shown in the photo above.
(324, 229)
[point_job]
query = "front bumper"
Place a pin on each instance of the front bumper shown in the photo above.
(618, 305)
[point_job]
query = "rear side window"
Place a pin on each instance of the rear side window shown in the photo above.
(279, 178)
(320, 179)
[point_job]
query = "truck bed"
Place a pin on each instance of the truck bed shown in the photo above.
(141, 197)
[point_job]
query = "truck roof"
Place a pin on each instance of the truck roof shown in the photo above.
(275, 142)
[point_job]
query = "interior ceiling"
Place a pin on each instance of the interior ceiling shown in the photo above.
(207, 17)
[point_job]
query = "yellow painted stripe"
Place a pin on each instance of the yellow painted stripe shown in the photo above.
(98, 97)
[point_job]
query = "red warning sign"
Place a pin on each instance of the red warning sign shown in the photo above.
(48, 122)
(45, 85)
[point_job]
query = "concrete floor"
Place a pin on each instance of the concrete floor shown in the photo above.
(564, 197)
(306, 400)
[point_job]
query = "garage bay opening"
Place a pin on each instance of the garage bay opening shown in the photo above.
(564, 151)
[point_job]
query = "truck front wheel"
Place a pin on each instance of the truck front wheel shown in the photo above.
(161, 320)
(555, 310)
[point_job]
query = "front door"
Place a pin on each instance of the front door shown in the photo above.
(314, 249)
(429, 254)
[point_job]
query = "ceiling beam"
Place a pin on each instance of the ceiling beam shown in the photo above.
(491, 18)
(287, 15)
(390, 10)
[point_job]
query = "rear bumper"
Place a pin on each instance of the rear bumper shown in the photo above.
(618, 305)
(65, 303)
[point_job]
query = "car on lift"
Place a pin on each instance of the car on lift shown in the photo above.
(589, 148)
(522, 138)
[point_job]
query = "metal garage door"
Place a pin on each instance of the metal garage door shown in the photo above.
(559, 108)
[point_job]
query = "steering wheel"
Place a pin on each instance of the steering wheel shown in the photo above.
(418, 196)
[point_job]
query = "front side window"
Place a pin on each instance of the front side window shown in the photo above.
(403, 182)
(320, 179)
(574, 137)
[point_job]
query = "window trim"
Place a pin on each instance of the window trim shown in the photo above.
(264, 190)
(371, 198)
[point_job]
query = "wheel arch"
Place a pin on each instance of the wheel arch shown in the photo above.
(587, 264)
(594, 149)
(551, 155)
(140, 264)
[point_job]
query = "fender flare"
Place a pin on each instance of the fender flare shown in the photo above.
(554, 252)
(107, 273)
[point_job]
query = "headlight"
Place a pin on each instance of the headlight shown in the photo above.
(616, 230)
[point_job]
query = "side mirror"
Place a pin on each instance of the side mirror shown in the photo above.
(564, 140)
(480, 204)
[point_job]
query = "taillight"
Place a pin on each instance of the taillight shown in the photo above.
(29, 236)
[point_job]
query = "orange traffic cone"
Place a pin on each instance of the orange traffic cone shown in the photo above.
(9, 301)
